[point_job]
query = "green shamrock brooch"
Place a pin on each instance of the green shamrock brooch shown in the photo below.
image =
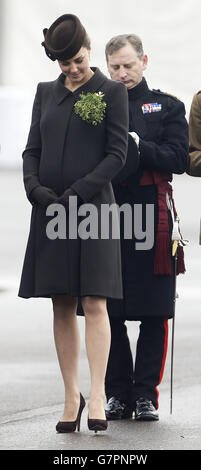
(91, 107)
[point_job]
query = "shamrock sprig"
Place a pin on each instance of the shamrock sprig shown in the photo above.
(91, 107)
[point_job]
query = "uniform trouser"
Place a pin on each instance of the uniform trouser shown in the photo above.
(126, 382)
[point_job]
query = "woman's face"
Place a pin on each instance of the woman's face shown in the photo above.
(77, 68)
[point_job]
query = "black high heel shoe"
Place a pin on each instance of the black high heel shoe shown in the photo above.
(71, 426)
(97, 425)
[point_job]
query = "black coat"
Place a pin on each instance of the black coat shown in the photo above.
(163, 147)
(65, 151)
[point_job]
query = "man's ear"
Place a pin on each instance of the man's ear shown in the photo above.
(145, 61)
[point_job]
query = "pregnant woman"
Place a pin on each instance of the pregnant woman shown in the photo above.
(77, 143)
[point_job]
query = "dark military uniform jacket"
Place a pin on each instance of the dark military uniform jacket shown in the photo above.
(159, 120)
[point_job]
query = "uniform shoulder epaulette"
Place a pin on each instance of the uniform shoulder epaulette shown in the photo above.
(166, 94)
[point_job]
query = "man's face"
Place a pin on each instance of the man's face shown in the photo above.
(125, 66)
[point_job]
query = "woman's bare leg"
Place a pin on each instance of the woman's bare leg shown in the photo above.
(98, 338)
(67, 341)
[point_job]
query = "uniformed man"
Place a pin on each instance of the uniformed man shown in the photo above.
(158, 147)
(195, 139)
(195, 136)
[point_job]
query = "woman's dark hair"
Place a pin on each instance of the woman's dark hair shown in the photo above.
(86, 41)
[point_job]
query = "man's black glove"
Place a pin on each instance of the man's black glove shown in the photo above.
(43, 196)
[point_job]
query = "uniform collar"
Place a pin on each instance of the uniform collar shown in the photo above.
(138, 90)
(92, 85)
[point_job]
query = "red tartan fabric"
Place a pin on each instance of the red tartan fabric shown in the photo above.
(162, 261)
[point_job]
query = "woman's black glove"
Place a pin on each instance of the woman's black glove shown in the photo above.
(43, 196)
(64, 198)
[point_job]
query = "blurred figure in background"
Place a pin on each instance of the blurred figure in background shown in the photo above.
(195, 139)
(195, 136)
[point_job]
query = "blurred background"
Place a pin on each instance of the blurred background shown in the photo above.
(170, 31)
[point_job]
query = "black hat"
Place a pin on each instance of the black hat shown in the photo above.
(64, 38)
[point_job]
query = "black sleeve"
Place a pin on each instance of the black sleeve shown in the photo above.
(132, 163)
(32, 152)
(172, 154)
(115, 148)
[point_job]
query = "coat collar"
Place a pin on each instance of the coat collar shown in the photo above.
(139, 90)
(92, 85)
